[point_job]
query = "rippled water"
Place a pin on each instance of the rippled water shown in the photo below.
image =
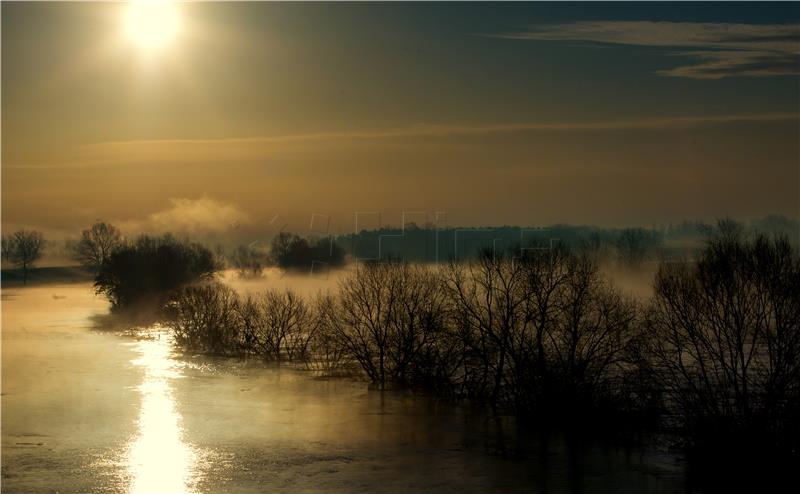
(85, 410)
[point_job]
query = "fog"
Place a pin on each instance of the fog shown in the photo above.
(636, 282)
(306, 283)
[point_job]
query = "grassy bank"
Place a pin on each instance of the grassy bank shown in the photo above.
(14, 278)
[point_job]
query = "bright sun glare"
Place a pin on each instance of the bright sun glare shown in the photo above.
(151, 24)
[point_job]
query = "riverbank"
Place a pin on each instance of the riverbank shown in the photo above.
(14, 278)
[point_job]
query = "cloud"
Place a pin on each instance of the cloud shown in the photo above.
(254, 149)
(190, 216)
(719, 49)
(721, 64)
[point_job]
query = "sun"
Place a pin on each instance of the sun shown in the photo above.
(151, 24)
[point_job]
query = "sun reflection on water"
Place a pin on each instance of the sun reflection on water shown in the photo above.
(159, 461)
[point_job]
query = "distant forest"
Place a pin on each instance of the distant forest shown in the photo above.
(412, 243)
(628, 245)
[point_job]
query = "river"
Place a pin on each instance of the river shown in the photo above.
(92, 410)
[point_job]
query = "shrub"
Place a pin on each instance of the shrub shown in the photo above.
(204, 319)
(212, 318)
(151, 270)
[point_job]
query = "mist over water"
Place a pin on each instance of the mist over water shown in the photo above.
(90, 410)
(304, 282)
(636, 282)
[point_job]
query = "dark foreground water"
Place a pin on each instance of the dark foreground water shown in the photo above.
(85, 410)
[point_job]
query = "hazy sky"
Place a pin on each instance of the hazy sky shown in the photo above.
(262, 114)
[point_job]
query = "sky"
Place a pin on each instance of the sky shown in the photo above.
(313, 117)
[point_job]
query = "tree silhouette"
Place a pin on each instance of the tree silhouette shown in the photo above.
(96, 245)
(725, 333)
(23, 248)
(289, 251)
(152, 269)
(247, 261)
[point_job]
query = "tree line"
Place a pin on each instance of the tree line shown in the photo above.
(629, 247)
(715, 353)
(128, 269)
(542, 334)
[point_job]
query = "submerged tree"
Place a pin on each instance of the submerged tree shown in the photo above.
(248, 261)
(725, 333)
(544, 333)
(23, 248)
(204, 318)
(488, 299)
(213, 318)
(284, 325)
(390, 319)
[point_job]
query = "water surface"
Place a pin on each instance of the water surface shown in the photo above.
(88, 410)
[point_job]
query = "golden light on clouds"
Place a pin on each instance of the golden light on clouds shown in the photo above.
(151, 24)
(112, 110)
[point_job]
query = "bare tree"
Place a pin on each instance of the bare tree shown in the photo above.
(96, 245)
(633, 245)
(418, 340)
(725, 333)
(325, 348)
(590, 340)
(204, 319)
(212, 318)
(5, 254)
(250, 321)
(248, 261)
(285, 325)
(23, 248)
(362, 317)
(541, 331)
(489, 299)
(390, 319)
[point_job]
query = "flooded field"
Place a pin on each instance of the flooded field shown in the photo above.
(90, 410)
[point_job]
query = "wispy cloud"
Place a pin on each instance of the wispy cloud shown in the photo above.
(248, 149)
(719, 49)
